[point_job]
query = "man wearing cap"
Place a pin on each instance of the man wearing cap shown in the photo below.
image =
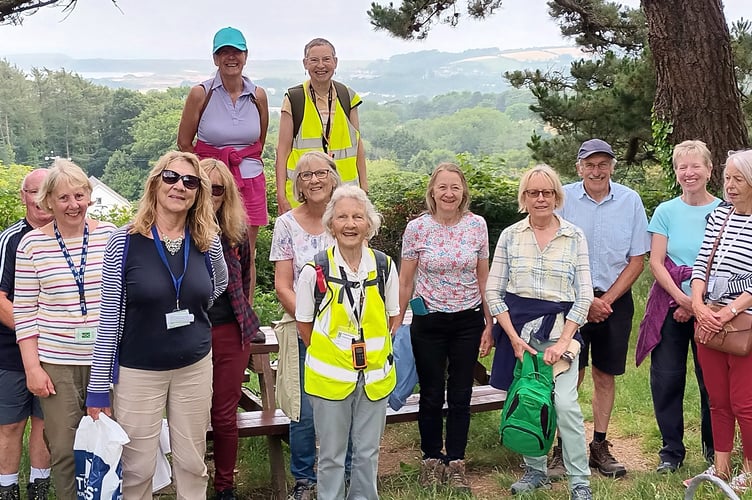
(17, 404)
(613, 219)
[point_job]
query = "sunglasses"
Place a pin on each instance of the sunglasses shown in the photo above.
(218, 190)
(189, 181)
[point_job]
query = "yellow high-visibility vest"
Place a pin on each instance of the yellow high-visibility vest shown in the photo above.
(343, 141)
(329, 371)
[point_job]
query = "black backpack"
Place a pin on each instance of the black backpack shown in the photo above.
(297, 103)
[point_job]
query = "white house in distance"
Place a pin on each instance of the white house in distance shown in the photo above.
(104, 198)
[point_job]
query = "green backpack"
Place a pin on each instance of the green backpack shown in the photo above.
(528, 419)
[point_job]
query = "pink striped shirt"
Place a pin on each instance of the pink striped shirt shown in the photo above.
(46, 302)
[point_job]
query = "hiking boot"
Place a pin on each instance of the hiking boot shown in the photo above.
(11, 492)
(303, 490)
(454, 476)
(603, 461)
(39, 489)
(556, 469)
(531, 480)
(432, 472)
(582, 492)
(741, 483)
(225, 495)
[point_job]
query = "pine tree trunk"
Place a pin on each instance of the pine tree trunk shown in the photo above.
(696, 87)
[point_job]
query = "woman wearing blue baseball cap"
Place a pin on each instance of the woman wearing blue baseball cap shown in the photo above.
(226, 118)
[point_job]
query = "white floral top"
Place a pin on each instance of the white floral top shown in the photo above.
(291, 242)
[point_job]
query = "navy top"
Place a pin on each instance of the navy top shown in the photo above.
(10, 354)
(147, 344)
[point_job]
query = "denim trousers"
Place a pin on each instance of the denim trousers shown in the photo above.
(445, 347)
(302, 432)
(668, 377)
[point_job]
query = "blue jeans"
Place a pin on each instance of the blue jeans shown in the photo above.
(668, 376)
(303, 433)
(445, 346)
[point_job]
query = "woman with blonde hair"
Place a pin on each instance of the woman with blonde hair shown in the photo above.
(56, 309)
(444, 270)
(161, 274)
(234, 325)
(298, 235)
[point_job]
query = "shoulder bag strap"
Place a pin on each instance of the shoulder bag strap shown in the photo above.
(712, 251)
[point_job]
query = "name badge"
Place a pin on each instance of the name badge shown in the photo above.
(178, 318)
(718, 285)
(86, 334)
(344, 340)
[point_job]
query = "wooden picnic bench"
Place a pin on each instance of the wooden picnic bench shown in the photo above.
(260, 417)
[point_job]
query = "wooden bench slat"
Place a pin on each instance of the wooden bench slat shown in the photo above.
(260, 423)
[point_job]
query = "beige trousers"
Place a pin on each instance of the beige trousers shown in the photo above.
(141, 397)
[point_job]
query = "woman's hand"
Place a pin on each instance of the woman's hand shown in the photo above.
(553, 353)
(94, 412)
(682, 314)
(486, 341)
(39, 382)
(709, 322)
(520, 346)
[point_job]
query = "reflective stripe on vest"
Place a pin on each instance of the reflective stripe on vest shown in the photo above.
(343, 143)
(328, 367)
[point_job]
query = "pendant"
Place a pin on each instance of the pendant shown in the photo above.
(173, 246)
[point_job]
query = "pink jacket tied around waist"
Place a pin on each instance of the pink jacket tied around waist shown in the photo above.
(658, 304)
(229, 156)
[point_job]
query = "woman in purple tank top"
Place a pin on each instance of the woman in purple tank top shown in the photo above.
(226, 118)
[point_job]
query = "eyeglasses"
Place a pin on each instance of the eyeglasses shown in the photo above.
(218, 190)
(316, 60)
(600, 166)
(189, 181)
(308, 175)
(534, 193)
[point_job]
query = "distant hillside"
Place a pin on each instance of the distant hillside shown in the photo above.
(424, 73)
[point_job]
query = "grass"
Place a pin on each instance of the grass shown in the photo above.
(632, 418)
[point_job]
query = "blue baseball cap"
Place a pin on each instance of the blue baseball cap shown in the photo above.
(594, 146)
(229, 37)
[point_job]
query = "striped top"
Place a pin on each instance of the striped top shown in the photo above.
(46, 303)
(732, 256)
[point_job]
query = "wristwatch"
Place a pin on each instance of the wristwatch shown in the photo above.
(733, 310)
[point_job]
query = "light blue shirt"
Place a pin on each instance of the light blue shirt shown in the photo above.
(684, 227)
(616, 229)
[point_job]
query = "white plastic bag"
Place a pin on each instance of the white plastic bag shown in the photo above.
(163, 471)
(97, 450)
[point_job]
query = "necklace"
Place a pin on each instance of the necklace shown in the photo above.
(171, 245)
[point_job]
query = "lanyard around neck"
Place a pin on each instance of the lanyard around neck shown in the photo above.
(78, 274)
(324, 135)
(176, 282)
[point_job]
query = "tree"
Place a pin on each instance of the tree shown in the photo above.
(696, 95)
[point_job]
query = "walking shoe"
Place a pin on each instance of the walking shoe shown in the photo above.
(710, 471)
(603, 461)
(582, 492)
(454, 476)
(432, 472)
(667, 467)
(556, 468)
(39, 489)
(225, 495)
(11, 492)
(741, 483)
(531, 480)
(303, 490)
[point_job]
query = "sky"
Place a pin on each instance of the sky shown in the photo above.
(275, 29)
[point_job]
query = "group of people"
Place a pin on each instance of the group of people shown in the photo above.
(156, 317)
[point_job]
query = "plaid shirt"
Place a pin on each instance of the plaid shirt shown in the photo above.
(239, 287)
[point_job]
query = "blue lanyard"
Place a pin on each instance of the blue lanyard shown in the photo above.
(176, 282)
(78, 274)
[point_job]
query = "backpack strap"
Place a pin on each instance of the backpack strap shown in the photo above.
(206, 102)
(296, 95)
